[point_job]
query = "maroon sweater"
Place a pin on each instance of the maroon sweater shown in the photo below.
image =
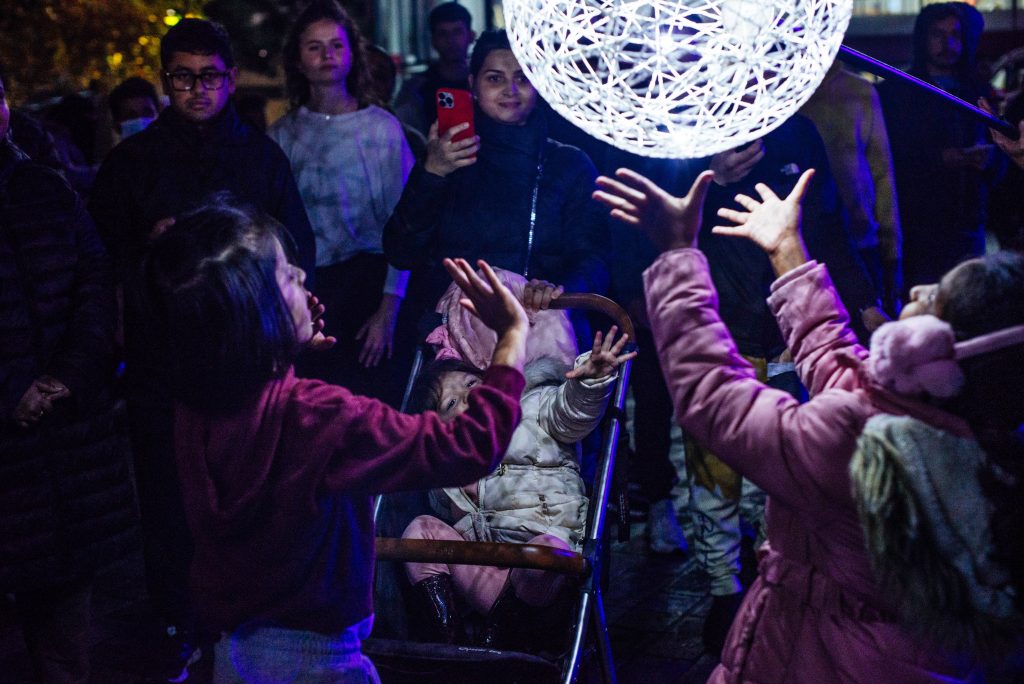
(278, 497)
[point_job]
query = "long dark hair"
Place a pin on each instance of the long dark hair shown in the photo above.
(985, 295)
(358, 77)
(210, 287)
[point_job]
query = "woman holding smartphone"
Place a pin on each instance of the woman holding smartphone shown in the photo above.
(509, 194)
(350, 160)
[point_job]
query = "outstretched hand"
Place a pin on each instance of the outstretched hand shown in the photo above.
(669, 222)
(487, 298)
(604, 357)
(319, 341)
(773, 224)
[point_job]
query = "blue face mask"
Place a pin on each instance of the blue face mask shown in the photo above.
(133, 126)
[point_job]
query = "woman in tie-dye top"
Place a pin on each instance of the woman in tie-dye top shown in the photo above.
(350, 160)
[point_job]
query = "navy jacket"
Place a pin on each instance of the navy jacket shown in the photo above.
(172, 166)
(483, 212)
(740, 269)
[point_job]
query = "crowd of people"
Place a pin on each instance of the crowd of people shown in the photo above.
(236, 305)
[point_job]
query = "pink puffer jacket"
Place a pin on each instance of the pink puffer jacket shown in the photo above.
(814, 614)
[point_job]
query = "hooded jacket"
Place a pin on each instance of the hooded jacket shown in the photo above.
(816, 613)
(942, 209)
(279, 495)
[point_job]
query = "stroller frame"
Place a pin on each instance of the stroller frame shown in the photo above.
(588, 565)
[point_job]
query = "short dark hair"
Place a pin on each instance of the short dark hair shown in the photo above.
(426, 390)
(209, 286)
(356, 83)
(133, 86)
(197, 37)
(449, 11)
(486, 43)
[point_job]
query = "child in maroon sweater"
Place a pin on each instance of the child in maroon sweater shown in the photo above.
(277, 472)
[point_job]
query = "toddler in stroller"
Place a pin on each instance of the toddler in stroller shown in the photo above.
(536, 495)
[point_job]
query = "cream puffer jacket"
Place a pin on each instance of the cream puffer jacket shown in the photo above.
(537, 489)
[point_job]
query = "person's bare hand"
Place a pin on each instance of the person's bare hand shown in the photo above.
(38, 399)
(1014, 149)
(669, 222)
(379, 331)
(319, 341)
(772, 224)
(604, 358)
(487, 298)
(538, 294)
(732, 166)
(444, 155)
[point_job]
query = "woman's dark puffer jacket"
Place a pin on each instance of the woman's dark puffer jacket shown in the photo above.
(483, 211)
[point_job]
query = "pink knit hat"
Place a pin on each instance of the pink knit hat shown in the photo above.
(919, 355)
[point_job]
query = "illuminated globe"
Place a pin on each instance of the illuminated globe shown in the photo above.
(683, 78)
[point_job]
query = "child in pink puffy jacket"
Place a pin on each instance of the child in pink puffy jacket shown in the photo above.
(894, 493)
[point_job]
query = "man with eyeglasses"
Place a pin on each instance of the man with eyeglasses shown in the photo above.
(198, 146)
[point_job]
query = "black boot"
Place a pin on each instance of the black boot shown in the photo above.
(718, 621)
(506, 627)
(441, 620)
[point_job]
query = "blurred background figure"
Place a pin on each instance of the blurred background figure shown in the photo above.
(133, 106)
(451, 34)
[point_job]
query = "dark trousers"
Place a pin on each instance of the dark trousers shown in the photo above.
(55, 622)
(351, 293)
(167, 542)
(652, 423)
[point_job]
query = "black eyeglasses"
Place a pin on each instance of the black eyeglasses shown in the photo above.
(184, 81)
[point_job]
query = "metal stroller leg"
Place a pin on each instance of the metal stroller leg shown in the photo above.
(572, 664)
(604, 646)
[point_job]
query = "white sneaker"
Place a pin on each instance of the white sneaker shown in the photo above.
(664, 535)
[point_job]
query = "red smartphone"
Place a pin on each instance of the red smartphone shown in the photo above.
(454, 106)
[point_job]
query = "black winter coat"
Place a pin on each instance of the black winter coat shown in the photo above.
(742, 272)
(483, 212)
(173, 165)
(65, 496)
(165, 170)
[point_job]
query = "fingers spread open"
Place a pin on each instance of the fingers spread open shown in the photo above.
(699, 189)
(765, 192)
(641, 185)
(748, 203)
(737, 217)
(800, 189)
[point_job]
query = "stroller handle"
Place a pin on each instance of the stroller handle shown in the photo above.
(596, 302)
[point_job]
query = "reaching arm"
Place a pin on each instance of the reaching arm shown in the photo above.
(794, 452)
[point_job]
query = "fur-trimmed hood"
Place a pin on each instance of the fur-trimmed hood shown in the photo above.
(926, 523)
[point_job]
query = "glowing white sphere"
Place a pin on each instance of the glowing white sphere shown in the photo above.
(676, 78)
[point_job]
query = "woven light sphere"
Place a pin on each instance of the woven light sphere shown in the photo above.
(676, 78)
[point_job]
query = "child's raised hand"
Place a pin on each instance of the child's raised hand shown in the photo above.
(604, 357)
(669, 222)
(487, 298)
(773, 224)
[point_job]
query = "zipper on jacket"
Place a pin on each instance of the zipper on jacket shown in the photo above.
(533, 216)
